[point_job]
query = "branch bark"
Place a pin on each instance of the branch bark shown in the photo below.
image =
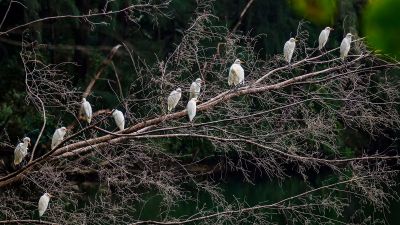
(27, 222)
(100, 70)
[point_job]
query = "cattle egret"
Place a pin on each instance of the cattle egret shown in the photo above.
(174, 98)
(86, 110)
(58, 136)
(345, 46)
(236, 73)
(191, 108)
(119, 119)
(43, 203)
(323, 37)
(21, 150)
(288, 49)
(195, 89)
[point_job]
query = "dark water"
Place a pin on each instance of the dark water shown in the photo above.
(264, 191)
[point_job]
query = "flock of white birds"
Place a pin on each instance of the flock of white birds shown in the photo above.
(235, 78)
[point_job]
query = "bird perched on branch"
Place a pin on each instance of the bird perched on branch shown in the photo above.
(191, 108)
(345, 46)
(288, 49)
(43, 203)
(323, 37)
(86, 111)
(119, 119)
(58, 136)
(174, 98)
(21, 150)
(195, 88)
(236, 73)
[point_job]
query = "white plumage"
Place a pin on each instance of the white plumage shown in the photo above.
(174, 98)
(21, 150)
(323, 37)
(119, 119)
(191, 108)
(58, 136)
(86, 110)
(236, 73)
(345, 46)
(288, 49)
(195, 89)
(43, 203)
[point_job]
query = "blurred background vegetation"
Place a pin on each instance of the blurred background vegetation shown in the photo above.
(76, 41)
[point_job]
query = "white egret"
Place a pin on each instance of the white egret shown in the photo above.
(174, 98)
(323, 37)
(119, 119)
(345, 46)
(195, 89)
(58, 137)
(21, 150)
(288, 49)
(191, 108)
(86, 110)
(43, 203)
(236, 73)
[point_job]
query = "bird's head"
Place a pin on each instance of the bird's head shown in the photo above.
(293, 40)
(27, 140)
(115, 112)
(194, 99)
(48, 195)
(349, 35)
(198, 81)
(238, 61)
(328, 28)
(179, 90)
(63, 129)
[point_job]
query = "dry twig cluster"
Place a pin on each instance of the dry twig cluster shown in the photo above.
(283, 115)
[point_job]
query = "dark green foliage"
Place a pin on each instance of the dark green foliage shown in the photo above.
(381, 24)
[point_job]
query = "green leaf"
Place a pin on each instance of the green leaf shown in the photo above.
(317, 11)
(381, 26)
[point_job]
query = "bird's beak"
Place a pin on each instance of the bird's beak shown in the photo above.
(332, 29)
(241, 61)
(29, 144)
(50, 195)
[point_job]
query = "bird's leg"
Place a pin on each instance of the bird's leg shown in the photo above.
(239, 86)
(23, 163)
(323, 50)
(344, 61)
